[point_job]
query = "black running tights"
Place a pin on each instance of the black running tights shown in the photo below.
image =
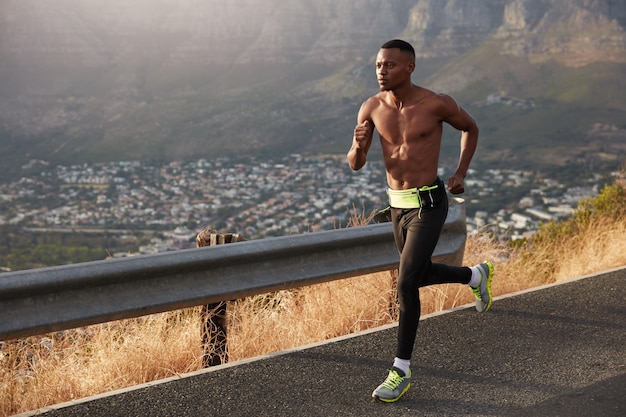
(416, 233)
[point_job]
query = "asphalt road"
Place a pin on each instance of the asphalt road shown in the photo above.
(555, 351)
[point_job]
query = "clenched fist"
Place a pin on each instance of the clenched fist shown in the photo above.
(362, 134)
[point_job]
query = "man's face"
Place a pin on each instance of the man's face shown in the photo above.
(393, 68)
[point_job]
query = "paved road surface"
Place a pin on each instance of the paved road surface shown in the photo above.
(556, 351)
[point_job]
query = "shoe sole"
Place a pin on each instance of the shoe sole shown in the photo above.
(489, 278)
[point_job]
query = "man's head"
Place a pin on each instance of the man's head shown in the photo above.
(394, 64)
(404, 46)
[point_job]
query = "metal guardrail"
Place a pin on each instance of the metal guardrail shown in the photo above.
(43, 300)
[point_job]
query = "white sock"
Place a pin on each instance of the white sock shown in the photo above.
(476, 277)
(402, 364)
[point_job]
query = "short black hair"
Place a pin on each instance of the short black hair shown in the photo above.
(401, 45)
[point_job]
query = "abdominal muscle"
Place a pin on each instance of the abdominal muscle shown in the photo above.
(410, 166)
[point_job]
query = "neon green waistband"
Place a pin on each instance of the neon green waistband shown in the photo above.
(408, 199)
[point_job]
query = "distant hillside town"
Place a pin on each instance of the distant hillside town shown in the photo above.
(292, 195)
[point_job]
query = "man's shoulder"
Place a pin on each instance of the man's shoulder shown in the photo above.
(439, 102)
(378, 97)
(427, 94)
(374, 101)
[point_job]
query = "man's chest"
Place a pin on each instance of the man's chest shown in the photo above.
(402, 125)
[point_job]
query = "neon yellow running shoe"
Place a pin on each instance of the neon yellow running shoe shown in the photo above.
(483, 291)
(394, 387)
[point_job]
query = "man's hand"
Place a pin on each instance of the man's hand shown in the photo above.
(456, 184)
(362, 134)
(361, 141)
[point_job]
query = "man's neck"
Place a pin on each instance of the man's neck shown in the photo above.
(400, 96)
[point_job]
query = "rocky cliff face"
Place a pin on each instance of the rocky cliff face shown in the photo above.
(67, 64)
(101, 35)
(97, 34)
(575, 32)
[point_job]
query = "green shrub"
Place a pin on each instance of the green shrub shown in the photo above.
(610, 204)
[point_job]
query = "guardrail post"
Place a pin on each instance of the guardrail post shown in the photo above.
(213, 316)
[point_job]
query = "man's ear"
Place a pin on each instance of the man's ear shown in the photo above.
(411, 67)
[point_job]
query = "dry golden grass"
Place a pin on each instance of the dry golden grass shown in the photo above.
(40, 371)
(310, 314)
(601, 246)
(36, 371)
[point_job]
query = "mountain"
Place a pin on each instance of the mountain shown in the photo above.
(93, 80)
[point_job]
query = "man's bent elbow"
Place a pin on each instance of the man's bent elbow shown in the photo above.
(473, 128)
(355, 162)
(356, 167)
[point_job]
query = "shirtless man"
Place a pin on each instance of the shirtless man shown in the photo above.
(409, 120)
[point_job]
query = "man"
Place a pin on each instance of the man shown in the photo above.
(409, 120)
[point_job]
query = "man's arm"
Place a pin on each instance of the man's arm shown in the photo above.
(458, 118)
(362, 138)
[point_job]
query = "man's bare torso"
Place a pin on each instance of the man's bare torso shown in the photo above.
(410, 136)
